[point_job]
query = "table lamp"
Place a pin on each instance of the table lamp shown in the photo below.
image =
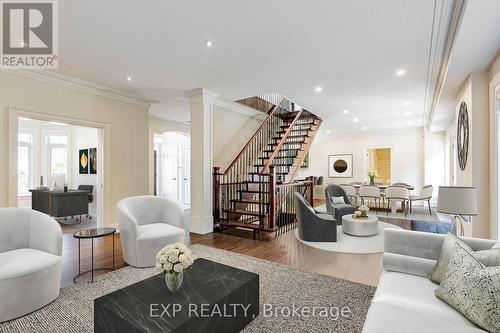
(457, 201)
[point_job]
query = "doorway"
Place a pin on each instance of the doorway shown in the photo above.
(48, 158)
(378, 159)
(172, 167)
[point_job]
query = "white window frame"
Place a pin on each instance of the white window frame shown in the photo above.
(30, 157)
(46, 134)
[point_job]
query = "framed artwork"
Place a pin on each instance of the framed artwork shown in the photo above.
(340, 166)
(93, 160)
(83, 161)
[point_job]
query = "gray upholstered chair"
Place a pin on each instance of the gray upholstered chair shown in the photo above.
(338, 209)
(314, 226)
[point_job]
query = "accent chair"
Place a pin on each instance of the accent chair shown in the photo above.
(314, 226)
(338, 209)
(147, 224)
(30, 261)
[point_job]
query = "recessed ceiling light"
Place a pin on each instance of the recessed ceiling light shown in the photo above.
(328, 131)
(209, 43)
(365, 127)
(345, 111)
(406, 103)
(318, 89)
(129, 78)
(407, 114)
(400, 72)
(355, 120)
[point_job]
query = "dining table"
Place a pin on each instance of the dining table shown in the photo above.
(382, 188)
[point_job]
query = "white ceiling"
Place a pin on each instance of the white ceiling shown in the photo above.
(476, 46)
(350, 48)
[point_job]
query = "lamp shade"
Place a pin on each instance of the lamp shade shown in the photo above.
(457, 200)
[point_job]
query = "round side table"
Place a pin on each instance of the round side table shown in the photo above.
(91, 234)
(359, 226)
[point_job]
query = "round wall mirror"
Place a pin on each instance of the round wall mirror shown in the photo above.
(462, 136)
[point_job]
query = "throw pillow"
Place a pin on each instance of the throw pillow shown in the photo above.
(472, 289)
(496, 246)
(338, 200)
(486, 257)
(445, 255)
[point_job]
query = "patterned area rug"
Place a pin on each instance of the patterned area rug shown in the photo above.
(280, 287)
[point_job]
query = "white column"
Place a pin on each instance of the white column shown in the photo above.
(201, 100)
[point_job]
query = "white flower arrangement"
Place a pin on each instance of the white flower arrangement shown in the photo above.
(174, 258)
(362, 211)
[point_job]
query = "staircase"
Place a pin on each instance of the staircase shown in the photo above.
(256, 190)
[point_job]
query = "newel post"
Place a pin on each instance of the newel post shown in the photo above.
(216, 204)
(271, 197)
(311, 191)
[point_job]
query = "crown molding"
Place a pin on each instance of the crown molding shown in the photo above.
(446, 23)
(237, 107)
(77, 84)
(170, 122)
(371, 133)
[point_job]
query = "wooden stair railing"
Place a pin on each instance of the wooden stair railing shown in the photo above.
(256, 189)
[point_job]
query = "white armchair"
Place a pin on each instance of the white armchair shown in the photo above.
(30, 261)
(147, 224)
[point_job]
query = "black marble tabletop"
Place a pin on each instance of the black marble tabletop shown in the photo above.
(213, 298)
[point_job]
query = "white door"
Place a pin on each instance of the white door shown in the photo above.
(169, 173)
(187, 175)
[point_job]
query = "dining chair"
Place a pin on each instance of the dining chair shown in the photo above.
(425, 195)
(370, 192)
(350, 190)
(397, 193)
(400, 184)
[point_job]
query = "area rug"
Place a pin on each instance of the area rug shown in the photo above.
(353, 244)
(280, 286)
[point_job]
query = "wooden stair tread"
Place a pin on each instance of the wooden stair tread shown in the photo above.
(256, 202)
(243, 212)
(250, 225)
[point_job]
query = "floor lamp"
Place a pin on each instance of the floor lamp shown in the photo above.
(457, 201)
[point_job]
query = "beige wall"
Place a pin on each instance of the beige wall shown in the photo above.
(407, 156)
(231, 131)
(477, 171)
(125, 132)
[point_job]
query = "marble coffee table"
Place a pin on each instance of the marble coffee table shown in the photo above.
(359, 226)
(213, 298)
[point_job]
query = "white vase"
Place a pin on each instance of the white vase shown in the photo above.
(174, 281)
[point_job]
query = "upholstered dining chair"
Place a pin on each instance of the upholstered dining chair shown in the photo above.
(147, 224)
(350, 191)
(314, 226)
(370, 192)
(30, 261)
(396, 193)
(425, 195)
(338, 208)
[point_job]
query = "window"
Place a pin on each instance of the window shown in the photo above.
(24, 162)
(58, 153)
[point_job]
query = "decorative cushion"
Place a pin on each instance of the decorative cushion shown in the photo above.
(486, 257)
(338, 200)
(496, 246)
(472, 289)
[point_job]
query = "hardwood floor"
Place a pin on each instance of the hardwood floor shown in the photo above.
(363, 268)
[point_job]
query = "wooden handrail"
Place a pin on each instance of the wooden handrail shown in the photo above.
(251, 139)
(306, 149)
(282, 141)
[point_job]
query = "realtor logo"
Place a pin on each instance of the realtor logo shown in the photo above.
(29, 34)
